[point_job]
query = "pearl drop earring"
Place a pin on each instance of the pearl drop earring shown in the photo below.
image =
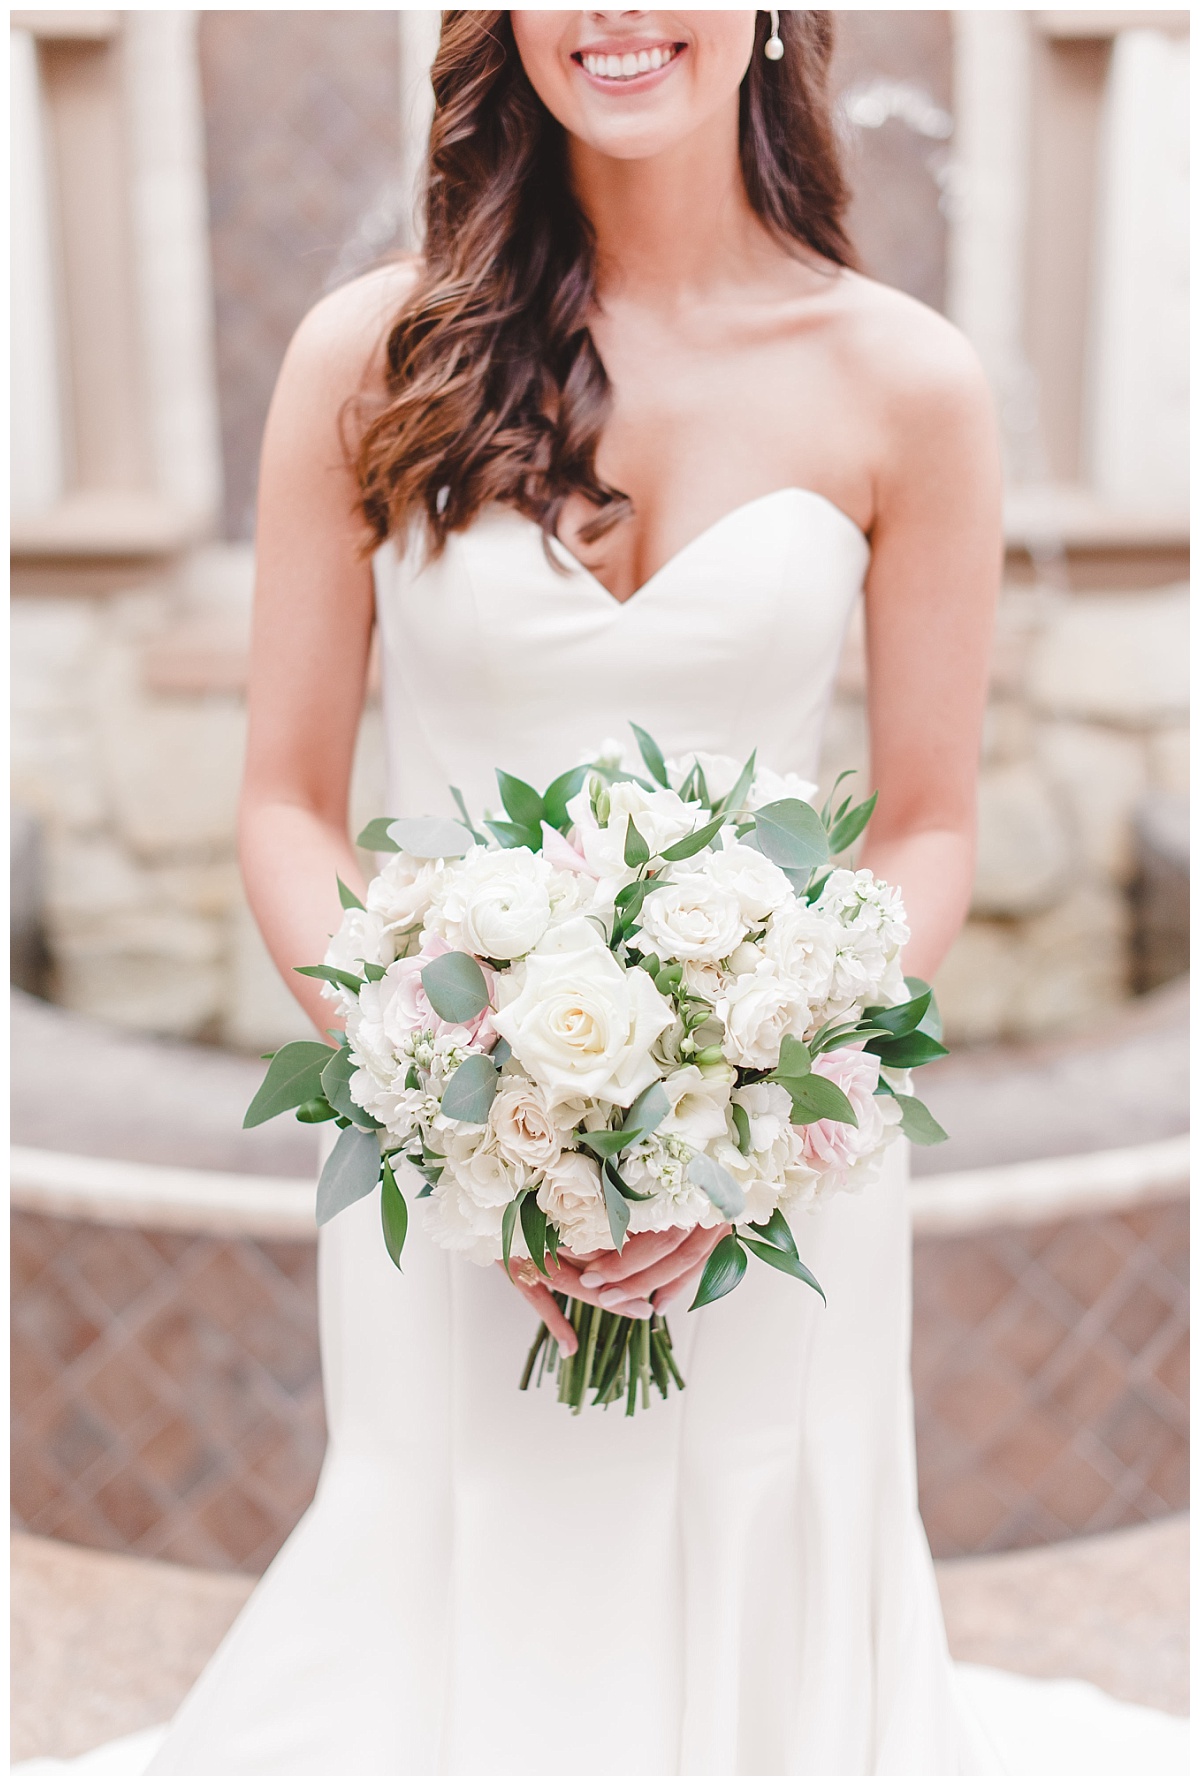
(773, 48)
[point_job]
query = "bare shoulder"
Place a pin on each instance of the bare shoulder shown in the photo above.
(917, 365)
(339, 346)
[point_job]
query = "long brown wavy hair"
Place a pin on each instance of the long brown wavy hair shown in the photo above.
(495, 390)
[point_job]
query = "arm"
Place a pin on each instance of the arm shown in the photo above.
(937, 547)
(313, 617)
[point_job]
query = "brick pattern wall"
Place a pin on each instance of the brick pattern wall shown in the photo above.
(167, 1401)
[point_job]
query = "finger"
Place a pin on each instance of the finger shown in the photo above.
(681, 1287)
(618, 1303)
(640, 1251)
(693, 1251)
(539, 1297)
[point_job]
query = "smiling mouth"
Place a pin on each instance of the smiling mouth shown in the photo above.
(631, 65)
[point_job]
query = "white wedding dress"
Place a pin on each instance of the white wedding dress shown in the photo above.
(737, 1581)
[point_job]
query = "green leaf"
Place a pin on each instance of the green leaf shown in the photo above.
(775, 1232)
(791, 835)
(652, 756)
(455, 986)
(501, 1053)
(561, 789)
(693, 843)
(637, 850)
(817, 1099)
(315, 1110)
(336, 976)
(395, 1215)
(293, 1077)
(533, 1227)
(827, 809)
(723, 1271)
(508, 1224)
(906, 1051)
(741, 1123)
(470, 1090)
(733, 800)
(719, 1186)
(377, 836)
(931, 1023)
(372, 971)
(466, 817)
(794, 1058)
(618, 1210)
(852, 825)
(514, 837)
(918, 1123)
(350, 901)
(627, 1191)
(900, 1020)
(431, 838)
(813, 888)
(523, 804)
(553, 1241)
(782, 1261)
(607, 1143)
(648, 1110)
(350, 1172)
(335, 1083)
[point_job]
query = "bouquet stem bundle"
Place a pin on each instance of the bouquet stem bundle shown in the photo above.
(617, 1358)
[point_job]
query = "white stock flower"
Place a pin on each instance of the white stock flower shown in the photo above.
(758, 885)
(400, 893)
(571, 1196)
(580, 1024)
(496, 903)
(871, 931)
(758, 1009)
(658, 1167)
(691, 918)
(524, 1129)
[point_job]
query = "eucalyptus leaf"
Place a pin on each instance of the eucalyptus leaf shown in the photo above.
(315, 1110)
(431, 838)
(723, 1271)
(335, 1083)
(455, 986)
(693, 843)
(350, 901)
(782, 1261)
(377, 836)
(918, 1123)
(618, 1210)
(501, 1053)
(293, 1077)
(395, 1215)
(652, 756)
(791, 834)
(470, 1090)
(719, 1186)
(350, 1172)
(335, 976)
(648, 1110)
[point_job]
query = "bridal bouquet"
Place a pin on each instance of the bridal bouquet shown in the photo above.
(647, 1000)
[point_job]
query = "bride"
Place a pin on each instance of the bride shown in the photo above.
(627, 444)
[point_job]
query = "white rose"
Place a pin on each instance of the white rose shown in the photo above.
(699, 1103)
(802, 942)
(691, 919)
(705, 979)
(768, 787)
(474, 1157)
(519, 1119)
(758, 1009)
(758, 885)
(661, 817)
(400, 893)
(496, 903)
(579, 1023)
(572, 1198)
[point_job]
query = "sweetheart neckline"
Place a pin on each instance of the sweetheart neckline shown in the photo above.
(742, 508)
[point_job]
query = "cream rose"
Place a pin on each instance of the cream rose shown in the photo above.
(802, 944)
(571, 1196)
(400, 893)
(758, 1009)
(691, 918)
(522, 1125)
(758, 885)
(579, 1023)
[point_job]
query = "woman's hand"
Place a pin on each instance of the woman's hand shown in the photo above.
(652, 1271)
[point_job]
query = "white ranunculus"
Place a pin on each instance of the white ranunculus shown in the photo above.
(699, 1104)
(691, 918)
(802, 942)
(758, 885)
(758, 1009)
(579, 1023)
(661, 817)
(400, 893)
(525, 1132)
(496, 903)
(572, 1198)
(768, 787)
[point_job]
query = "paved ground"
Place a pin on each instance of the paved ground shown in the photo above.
(80, 1086)
(104, 1645)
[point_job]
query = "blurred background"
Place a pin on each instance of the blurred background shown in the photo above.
(185, 186)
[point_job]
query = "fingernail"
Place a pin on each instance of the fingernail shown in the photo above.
(590, 1281)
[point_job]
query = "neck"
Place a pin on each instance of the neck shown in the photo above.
(670, 224)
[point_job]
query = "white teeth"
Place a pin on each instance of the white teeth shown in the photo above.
(628, 66)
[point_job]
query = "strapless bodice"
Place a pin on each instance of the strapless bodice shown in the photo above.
(492, 656)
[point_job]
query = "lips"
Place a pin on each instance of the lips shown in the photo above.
(622, 67)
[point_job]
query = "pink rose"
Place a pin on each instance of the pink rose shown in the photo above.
(836, 1147)
(407, 1007)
